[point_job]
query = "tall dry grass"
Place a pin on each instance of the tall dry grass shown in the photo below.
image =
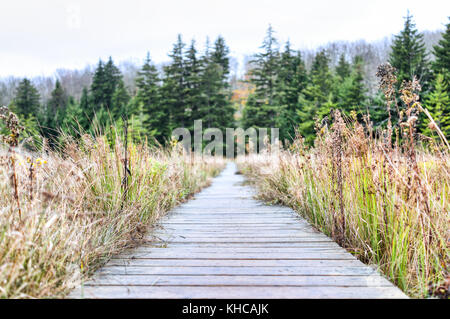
(75, 211)
(382, 195)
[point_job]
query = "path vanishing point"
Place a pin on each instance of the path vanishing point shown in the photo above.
(225, 244)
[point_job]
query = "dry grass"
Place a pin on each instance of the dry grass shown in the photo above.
(385, 199)
(75, 211)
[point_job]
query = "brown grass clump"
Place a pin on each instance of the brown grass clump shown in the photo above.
(75, 212)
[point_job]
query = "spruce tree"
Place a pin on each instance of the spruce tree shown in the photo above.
(112, 79)
(174, 87)
(437, 103)
(409, 55)
(55, 112)
(321, 76)
(343, 68)
(352, 91)
(441, 64)
(261, 110)
(192, 80)
(86, 110)
(119, 102)
(216, 108)
(98, 88)
(149, 99)
(317, 98)
(26, 101)
(292, 79)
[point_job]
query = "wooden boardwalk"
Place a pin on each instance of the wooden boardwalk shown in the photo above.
(225, 244)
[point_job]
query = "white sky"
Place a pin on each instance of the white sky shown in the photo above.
(37, 37)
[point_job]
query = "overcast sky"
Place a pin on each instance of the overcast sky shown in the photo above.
(37, 37)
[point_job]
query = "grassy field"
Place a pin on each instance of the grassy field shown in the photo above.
(62, 217)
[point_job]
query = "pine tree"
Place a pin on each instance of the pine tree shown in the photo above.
(352, 91)
(149, 100)
(55, 112)
(26, 102)
(216, 109)
(307, 112)
(174, 87)
(409, 55)
(104, 83)
(265, 73)
(318, 98)
(321, 76)
(437, 103)
(86, 110)
(112, 79)
(98, 88)
(192, 80)
(343, 68)
(292, 79)
(261, 110)
(119, 102)
(441, 65)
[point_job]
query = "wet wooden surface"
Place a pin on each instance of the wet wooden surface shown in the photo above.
(226, 244)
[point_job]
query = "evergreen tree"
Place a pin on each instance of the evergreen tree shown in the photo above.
(216, 109)
(409, 55)
(292, 79)
(438, 104)
(86, 114)
(442, 54)
(26, 102)
(112, 79)
(321, 76)
(55, 112)
(352, 92)
(343, 68)
(192, 80)
(318, 98)
(149, 100)
(174, 87)
(119, 102)
(104, 83)
(98, 88)
(261, 110)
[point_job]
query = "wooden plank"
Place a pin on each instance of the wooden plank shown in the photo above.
(234, 271)
(242, 281)
(249, 240)
(238, 250)
(236, 292)
(218, 246)
(234, 262)
(286, 256)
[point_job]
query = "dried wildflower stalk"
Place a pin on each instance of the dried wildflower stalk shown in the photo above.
(12, 124)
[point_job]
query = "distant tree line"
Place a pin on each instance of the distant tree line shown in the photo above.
(288, 96)
(281, 91)
(191, 87)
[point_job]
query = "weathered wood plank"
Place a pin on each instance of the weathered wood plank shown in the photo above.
(234, 271)
(235, 262)
(267, 281)
(286, 256)
(174, 292)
